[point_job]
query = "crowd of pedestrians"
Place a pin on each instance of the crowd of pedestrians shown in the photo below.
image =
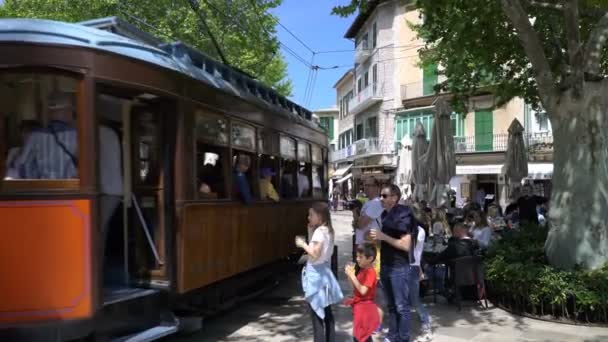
(398, 243)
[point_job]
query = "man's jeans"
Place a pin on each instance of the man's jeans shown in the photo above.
(414, 286)
(395, 282)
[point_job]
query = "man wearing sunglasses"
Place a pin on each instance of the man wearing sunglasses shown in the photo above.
(396, 235)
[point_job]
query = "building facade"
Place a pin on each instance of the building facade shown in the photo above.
(392, 92)
(328, 119)
(369, 95)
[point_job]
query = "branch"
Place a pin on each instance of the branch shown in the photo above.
(594, 47)
(533, 49)
(573, 35)
(549, 5)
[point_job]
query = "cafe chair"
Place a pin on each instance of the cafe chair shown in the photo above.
(468, 271)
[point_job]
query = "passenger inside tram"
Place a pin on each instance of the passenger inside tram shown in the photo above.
(211, 176)
(289, 188)
(52, 152)
(26, 127)
(39, 132)
(241, 175)
(211, 173)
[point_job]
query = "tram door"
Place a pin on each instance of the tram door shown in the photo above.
(151, 198)
(136, 242)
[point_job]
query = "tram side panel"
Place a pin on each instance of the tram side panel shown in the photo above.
(45, 261)
(217, 241)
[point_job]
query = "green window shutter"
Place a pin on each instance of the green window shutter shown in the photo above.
(429, 79)
(484, 130)
(331, 128)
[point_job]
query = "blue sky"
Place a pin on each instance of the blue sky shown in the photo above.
(311, 21)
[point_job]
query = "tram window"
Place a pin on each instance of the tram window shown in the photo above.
(243, 136)
(269, 167)
(289, 168)
(317, 155)
(268, 142)
(146, 136)
(212, 156)
(318, 176)
(39, 133)
(211, 128)
(317, 181)
(210, 172)
(288, 148)
(289, 186)
(304, 170)
(243, 188)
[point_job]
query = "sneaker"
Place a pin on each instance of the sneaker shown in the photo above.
(426, 336)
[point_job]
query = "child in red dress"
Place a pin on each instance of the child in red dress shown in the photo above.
(366, 314)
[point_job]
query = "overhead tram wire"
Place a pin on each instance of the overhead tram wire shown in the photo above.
(245, 30)
(308, 80)
(379, 48)
(196, 8)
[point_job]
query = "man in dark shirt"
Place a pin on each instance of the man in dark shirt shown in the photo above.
(397, 237)
(527, 206)
(240, 178)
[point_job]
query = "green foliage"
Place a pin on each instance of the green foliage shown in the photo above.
(516, 266)
(348, 9)
(244, 29)
(469, 36)
(473, 39)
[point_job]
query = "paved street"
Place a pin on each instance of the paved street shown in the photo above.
(281, 315)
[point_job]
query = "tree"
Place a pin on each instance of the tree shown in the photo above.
(552, 53)
(244, 30)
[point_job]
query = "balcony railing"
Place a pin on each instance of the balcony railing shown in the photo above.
(343, 153)
(362, 148)
(365, 98)
(499, 142)
(417, 89)
(411, 90)
(374, 146)
(362, 52)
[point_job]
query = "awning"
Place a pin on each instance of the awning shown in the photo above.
(340, 172)
(487, 169)
(540, 171)
(344, 178)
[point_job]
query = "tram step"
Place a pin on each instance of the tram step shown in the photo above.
(151, 334)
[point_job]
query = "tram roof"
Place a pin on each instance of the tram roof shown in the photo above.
(117, 36)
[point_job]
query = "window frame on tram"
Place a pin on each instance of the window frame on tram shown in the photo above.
(221, 148)
(292, 159)
(80, 98)
(271, 153)
(319, 163)
(251, 152)
(304, 161)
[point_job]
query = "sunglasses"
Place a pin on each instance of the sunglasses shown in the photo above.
(385, 195)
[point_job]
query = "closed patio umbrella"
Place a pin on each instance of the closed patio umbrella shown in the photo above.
(517, 156)
(404, 168)
(440, 159)
(419, 170)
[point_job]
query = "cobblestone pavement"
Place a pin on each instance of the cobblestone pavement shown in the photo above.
(281, 315)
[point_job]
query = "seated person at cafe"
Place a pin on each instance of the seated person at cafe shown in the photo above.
(460, 245)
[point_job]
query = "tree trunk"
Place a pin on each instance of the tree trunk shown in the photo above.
(579, 201)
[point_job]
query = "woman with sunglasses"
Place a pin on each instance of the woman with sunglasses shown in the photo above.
(397, 237)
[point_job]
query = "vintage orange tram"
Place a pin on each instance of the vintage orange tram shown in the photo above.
(142, 221)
